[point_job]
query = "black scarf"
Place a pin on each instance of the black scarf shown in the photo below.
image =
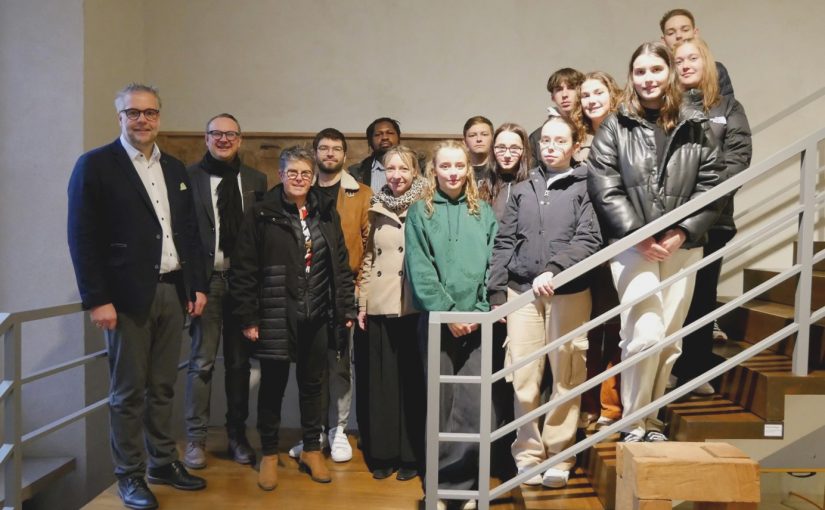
(230, 206)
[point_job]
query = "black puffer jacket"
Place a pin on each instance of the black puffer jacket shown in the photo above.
(543, 229)
(630, 188)
(729, 125)
(268, 271)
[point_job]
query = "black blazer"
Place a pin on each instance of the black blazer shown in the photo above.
(115, 237)
(253, 187)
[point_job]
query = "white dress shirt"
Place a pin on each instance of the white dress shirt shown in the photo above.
(151, 174)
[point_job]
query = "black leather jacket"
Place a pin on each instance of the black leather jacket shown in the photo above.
(629, 188)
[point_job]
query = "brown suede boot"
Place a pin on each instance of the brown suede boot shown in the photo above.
(268, 472)
(313, 462)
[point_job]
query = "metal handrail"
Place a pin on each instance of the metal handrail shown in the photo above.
(806, 147)
(10, 395)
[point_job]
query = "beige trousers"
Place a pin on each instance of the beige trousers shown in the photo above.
(648, 323)
(529, 329)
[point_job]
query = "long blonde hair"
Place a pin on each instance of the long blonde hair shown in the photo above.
(470, 186)
(672, 94)
(710, 76)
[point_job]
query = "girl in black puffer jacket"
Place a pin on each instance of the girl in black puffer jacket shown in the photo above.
(646, 160)
(698, 77)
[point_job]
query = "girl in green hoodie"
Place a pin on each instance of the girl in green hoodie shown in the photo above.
(448, 241)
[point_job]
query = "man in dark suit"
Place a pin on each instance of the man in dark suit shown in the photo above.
(382, 134)
(133, 240)
(222, 188)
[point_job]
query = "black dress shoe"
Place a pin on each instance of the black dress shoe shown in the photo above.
(381, 473)
(406, 473)
(175, 474)
(240, 450)
(135, 494)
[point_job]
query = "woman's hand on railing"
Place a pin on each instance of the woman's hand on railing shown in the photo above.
(652, 251)
(104, 316)
(362, 320)
(251, 333)
(459, 329)
(543, 284)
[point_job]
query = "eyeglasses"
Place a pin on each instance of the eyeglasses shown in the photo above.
(555, 144)
(295, 175)
(501, 150)
(327, 148)
(231, 136)
(134, 114)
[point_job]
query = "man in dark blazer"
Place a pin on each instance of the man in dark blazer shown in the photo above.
(222, 188)
(134, 244)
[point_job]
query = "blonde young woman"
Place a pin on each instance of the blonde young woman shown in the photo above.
(395, 382)
(647, 159)
(448, 240)
(698, 77)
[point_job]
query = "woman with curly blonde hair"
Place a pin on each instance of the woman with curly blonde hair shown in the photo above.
(448, 241)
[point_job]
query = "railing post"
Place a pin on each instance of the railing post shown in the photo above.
(485, 415)
(12, 420)
(804, 257)
(433, 348)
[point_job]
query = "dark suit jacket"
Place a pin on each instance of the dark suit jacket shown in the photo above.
(253, 187)
(115, 237)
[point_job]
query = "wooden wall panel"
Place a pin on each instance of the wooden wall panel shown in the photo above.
(260, 150)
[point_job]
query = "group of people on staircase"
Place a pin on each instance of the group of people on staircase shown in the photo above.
(335, 270)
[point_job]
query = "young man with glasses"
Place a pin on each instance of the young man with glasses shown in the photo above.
(222, 188)
(291, 279)
(134, 244)
(352, 202)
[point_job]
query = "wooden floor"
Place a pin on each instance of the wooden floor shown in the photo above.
(232, 486)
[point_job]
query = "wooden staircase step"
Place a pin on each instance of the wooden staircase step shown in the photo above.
(714, 417)
(599, 465)
(761, 383)
(785, 292)
(758, 319)
(578, 494)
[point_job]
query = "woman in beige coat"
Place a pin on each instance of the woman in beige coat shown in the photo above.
(392, 435)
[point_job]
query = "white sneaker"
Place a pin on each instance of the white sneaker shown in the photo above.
(296, 450)
(603, 422)
(719, 335)
(535, 480)
(470, 504)
(340, 449)
(705, 390)
(555, 478)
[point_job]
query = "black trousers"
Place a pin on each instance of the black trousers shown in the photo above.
(697, 348)
(396, 392)
(310, 371)
(458, 406)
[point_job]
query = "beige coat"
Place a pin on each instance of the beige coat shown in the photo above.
(384, 288)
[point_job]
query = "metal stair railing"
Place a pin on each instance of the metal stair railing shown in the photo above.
(804, 213)
(13, 440)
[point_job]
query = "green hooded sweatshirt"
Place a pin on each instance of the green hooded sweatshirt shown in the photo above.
(448, 254)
